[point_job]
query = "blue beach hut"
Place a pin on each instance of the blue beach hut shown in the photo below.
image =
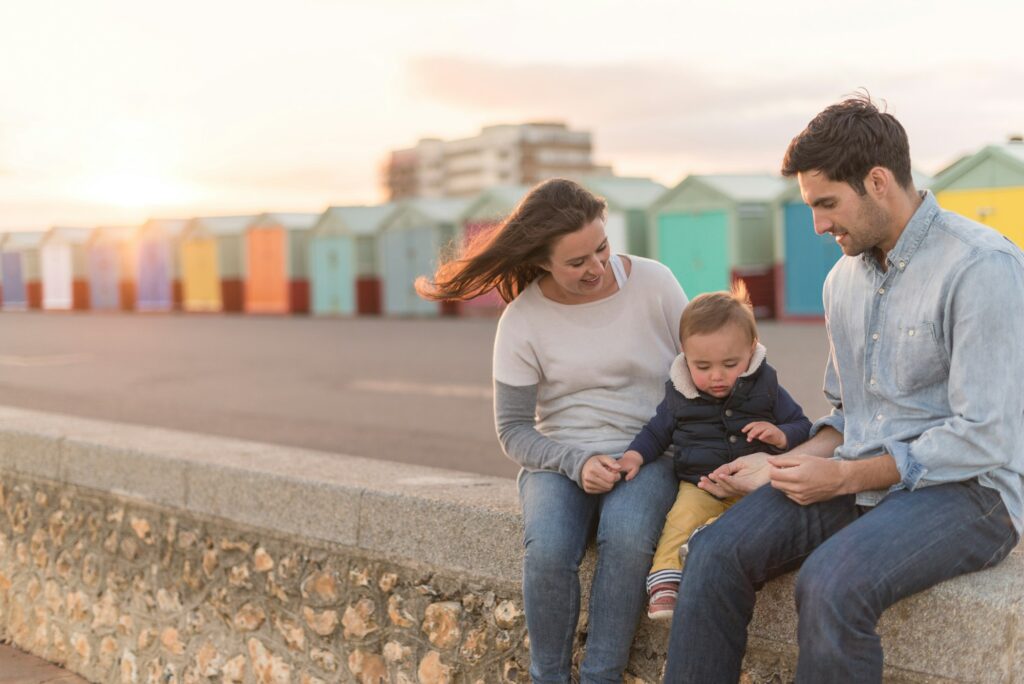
(344, 269)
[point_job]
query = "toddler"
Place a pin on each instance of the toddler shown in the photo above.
(722, 401)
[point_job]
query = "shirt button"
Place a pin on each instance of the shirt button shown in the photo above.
(728, 413)
(879, 417)
(881, 290)
(872, 381)
(875, 336)
(732, 438)
(903, 265)
(911, 333)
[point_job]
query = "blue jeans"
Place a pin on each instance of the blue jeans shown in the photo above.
(559, 519)
(855, 563)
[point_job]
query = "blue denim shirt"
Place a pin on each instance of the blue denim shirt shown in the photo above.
(926, 358)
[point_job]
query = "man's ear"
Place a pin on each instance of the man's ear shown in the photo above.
(878, 181)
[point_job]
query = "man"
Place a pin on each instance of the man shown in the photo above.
(917, 474)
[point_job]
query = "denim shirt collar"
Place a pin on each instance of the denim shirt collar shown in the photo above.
(911, 237)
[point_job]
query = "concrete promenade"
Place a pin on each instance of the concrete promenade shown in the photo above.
(413, 391)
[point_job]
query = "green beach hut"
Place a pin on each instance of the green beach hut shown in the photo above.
(344, 268)
(710, 229)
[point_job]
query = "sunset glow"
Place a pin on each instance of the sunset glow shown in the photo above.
(114, 110)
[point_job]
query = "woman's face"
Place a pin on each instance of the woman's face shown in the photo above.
(579, 265)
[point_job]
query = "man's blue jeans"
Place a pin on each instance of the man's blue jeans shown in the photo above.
(854, 565)
(559, 520)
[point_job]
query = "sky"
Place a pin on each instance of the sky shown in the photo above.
(112, 111)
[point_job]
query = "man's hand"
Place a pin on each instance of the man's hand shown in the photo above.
(631, 462)
(766, 432)
(807, 479)
(737, 478)
(600, 473)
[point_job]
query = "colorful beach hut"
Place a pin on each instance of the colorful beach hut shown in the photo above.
(344, 270)
(109, 261)
(710, 229)
(628, 200)
(276, 269)
(21, 271)
(64, 273)
(157, 275)
(987, 186)
(803, 258)
(409, 243)
(212, 252)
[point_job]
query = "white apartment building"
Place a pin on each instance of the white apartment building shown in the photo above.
(511, 154)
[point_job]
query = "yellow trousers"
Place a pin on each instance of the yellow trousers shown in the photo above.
(693, 507)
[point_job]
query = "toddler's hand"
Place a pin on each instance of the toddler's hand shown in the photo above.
(766, 432)
(631, 462)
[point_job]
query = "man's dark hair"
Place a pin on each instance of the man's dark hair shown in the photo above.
(847, 140)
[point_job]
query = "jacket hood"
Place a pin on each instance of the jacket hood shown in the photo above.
(682, 380)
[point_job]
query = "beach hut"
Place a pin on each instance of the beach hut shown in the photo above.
(64, 273)
(803, 258)
(483, 212)
(628, 200)
(109, 262)
(344, 270)
(20, 271)
(409, 243)
(212, 252)
(710, 229)
(987, 186)
(276, 270)
(157, 274)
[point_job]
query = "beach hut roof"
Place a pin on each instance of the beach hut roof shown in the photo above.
(624, 193)
(1009, 155)
(735, 188)
(439, 209)
(23, 239)
(746, 187)
(357, 220)
(288, 221)
(494, 202)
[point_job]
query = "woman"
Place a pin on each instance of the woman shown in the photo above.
(580, 360)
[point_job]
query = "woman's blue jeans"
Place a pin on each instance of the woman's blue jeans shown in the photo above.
(853, 562)
(560, 518)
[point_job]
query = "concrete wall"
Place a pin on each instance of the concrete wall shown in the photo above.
(132, 554)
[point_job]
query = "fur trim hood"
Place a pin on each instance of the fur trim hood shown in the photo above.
(683, 381)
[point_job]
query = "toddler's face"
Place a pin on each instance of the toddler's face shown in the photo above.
(717, 359)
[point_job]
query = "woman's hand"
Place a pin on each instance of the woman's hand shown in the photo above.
(766, 432)
(737, 478)
(600, 473)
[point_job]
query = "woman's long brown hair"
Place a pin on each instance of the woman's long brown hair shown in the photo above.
(508, 257)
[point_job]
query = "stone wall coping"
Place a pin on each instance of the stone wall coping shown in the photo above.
(967, 629)
(447, 518)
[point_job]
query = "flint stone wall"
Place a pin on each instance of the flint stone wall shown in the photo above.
(132, 554)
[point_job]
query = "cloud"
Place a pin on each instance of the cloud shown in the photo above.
(665, 112)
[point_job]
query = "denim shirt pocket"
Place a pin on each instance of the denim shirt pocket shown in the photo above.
(920, 357)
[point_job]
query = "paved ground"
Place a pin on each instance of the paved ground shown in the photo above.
(415, 391)
(17, 667)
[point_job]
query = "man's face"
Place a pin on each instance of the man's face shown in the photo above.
(857, 222)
